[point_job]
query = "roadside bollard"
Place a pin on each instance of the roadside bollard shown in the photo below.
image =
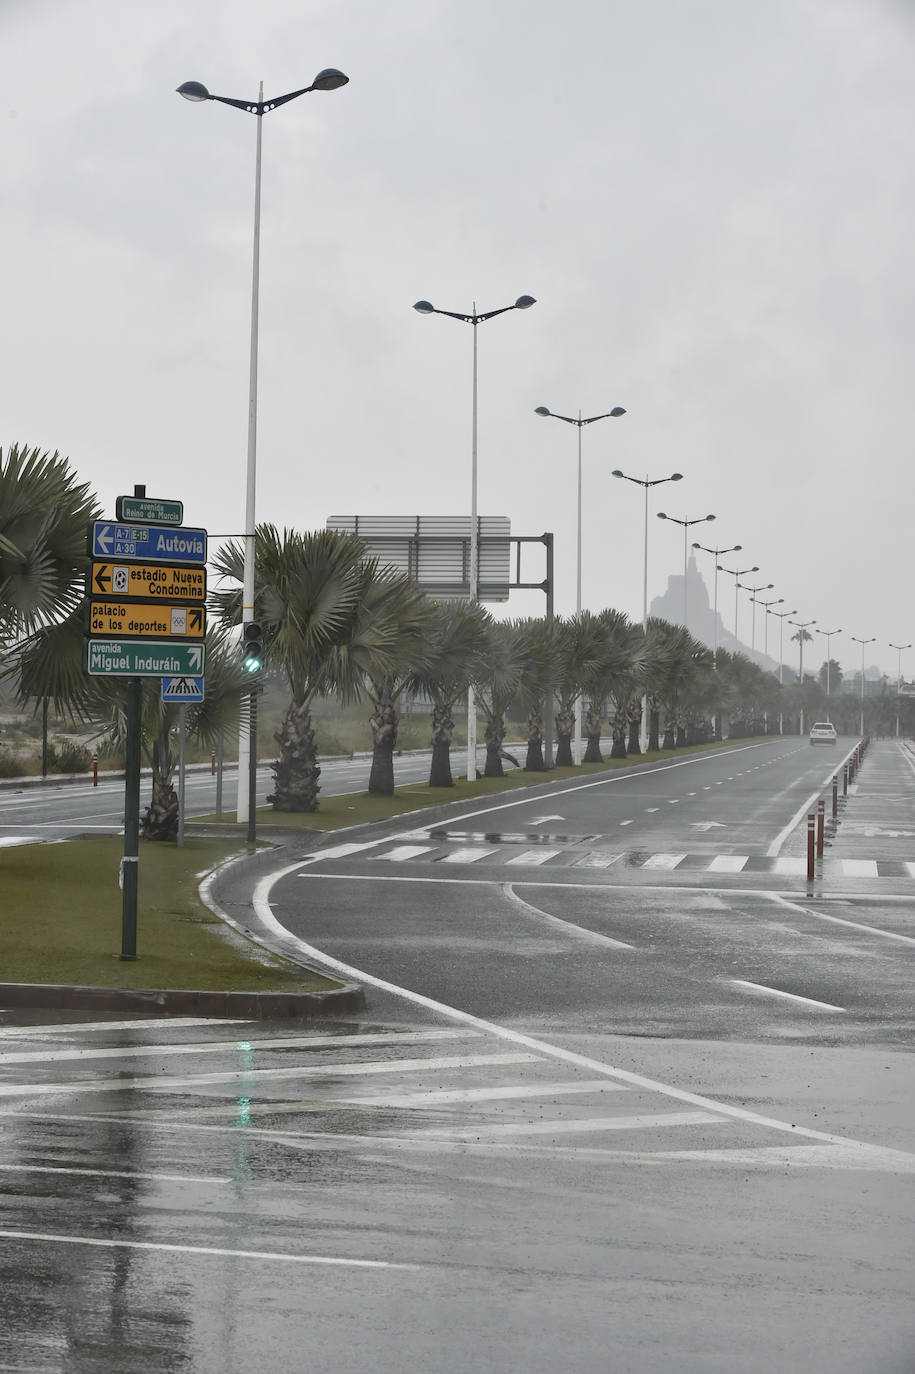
(213, 763)
(845, 780)
(835, 796)
(95, 770)
(811, 845)
(821, 825)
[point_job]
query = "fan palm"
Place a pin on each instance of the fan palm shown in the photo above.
(454, 646)
(498, 681)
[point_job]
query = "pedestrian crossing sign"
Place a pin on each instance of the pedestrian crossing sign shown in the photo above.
(182, 689)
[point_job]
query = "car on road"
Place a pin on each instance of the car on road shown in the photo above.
(823, 732)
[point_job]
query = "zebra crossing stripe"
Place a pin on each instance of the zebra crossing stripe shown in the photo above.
(727, 863)
(534, 856)
(664, 861)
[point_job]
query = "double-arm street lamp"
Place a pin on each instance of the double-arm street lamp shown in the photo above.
(829, 634)
(716, 554)
(862, 642)
(764, 587)
(737, 574)
(899, 648)
(687, 524)
(778, 601)
(580, 423)
(327, 80)
(782, 617)
(646, 483)
(802, 626)
(474, 318)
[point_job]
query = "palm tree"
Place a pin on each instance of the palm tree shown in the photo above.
(44, 514)
(307, 590)
(499, 680)
(614, 675)
(580, 643)
(454, 645)
(678, 668)
(541, 642)
(398, 614)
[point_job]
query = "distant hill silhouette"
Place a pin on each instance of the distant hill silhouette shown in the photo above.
(701, 618)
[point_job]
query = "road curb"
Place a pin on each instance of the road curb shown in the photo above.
(184, 1001)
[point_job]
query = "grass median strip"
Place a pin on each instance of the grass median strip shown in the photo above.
(61, 921)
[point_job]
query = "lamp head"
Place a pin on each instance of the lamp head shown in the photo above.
(675, 477)
(194, 90)
(540, 410)
(710, 517)
(617, 410)
(525, 302)
(662, 514)
(329, 79)
(616, 473)
(425, 307)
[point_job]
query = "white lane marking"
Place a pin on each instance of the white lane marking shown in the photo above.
(841, 920)
(578, 932)
(798, 1156)
(859, 868)
(542, 820)
(597, 860)
(790, 865)
(728, 863)
(534, 856)
(650, 809)
(6, 840)
(402, 852)
(777, 992)
(510, 1092)
(339, 851)
(110, 1173)
(462, 856)
(293, 1042)
(543, 1048)
(80, 1086)
(673, 801)
(625, 822)
(55, 1238)
(647, 1121)
(808, 806)
(663, 861)
(910, 868)
(69, 1028)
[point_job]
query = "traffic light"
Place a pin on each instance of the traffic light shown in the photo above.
(252, 647)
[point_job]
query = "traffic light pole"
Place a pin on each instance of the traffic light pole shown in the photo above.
(252, 766)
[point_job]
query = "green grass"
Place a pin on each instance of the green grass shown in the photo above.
(61, 921)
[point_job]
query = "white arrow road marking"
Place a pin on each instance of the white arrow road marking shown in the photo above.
(708, 825)
(542, 820)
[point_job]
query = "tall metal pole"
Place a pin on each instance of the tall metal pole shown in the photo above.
(801, 636)
(828, 635)
(862, 642)
(474, 561)
(662, 515)
(899, 648)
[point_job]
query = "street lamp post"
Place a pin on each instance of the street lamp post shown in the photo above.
(646, 483)
(862, 642)
(327, 80)
(716, 554)
(782, 616)
(779, 600)
(899, 648)
(580, 423)
(764, 587)
(474, 318)
(801, 636)
(829, 634)
(737, 574)
(700, 519)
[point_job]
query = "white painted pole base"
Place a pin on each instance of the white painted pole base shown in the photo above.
(471, 735)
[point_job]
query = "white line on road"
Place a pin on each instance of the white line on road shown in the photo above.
(728, 863)
(808, 806)
(79, 1086)
(293, 1042)
(665, 862)
(55, 1238)
(562, 1126)
(777, 992)
(533, 857)
(841, 920)
(543, 1048)
(509, 1092)
(467, 855)
(579, 932)
(110, 1173)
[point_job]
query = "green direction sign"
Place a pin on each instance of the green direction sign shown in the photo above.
(142, 658)
(146, 510)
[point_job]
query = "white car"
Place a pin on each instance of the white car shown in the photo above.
(823, 732)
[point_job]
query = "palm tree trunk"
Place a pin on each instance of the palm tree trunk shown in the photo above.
(161, 819)
(592, 730)
(296, 772)
(654, 723)
(495, 737)
(565, 725)
(681, 734)
(534, 761)
(670, 738)
(634, 714)
(384, 736)
(618, 750)
(442, 731)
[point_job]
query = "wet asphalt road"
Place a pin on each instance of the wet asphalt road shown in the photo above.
(663, 1118)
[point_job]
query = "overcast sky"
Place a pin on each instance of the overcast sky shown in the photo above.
(711, 201)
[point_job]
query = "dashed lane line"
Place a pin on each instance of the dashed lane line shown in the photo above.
(765, 991)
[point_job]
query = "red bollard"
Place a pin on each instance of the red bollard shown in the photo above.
(95, 770)
(835, 796)
(811, 845)
(213, 763)
(845, 780)
(821, 823)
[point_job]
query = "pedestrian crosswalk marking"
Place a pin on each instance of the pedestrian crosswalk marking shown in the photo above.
(534, 856)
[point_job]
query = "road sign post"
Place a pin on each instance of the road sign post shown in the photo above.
(130, 863)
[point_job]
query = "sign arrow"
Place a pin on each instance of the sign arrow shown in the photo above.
(708, 825)
(196, 620)
(195, 659)
(102, 579)
(103, 538)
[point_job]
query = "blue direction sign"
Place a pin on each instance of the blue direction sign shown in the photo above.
(182, 689)
(151, 543)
